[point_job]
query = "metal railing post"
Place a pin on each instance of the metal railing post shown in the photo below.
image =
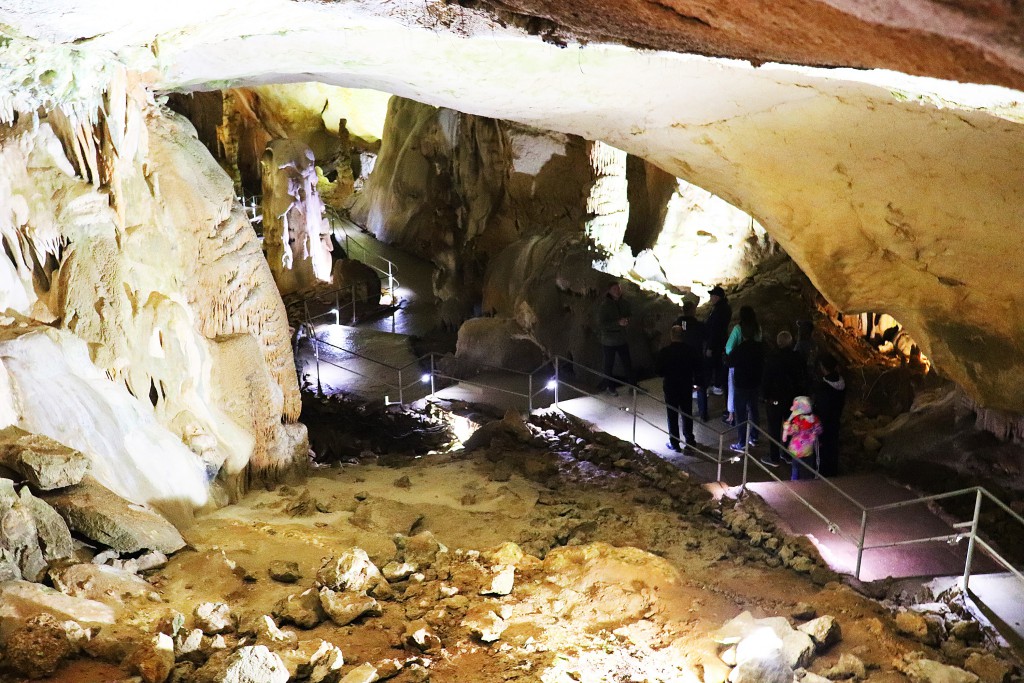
(337, 307)
(316, 353)
(634, 416)
(721, 454)
(431, 375)
(529, 393)
(557, 379)
(860, 544)
(305, 310)
(391, 284)
(746, 458)
(401, 399)
(970, 542)
(353, 303)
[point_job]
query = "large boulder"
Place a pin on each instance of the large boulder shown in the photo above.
(19, 539)
(44, 463)
(252, 664)
(100, 582)
(352, 571)
(500, 342)
(355, 277)
(54, 536)
(101, 515)
(37, 647)
(20, 600)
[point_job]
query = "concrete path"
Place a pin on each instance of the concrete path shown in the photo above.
(417, 314)
(838, 545)
(363, 362)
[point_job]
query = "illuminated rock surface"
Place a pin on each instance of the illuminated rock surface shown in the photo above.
(894, 194)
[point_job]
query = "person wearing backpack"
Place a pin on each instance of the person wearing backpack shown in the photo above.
(800, 434)
(680, 364)
(746, 360)
(695, 335)
(829, 400)
(716, 327)
(785, 378)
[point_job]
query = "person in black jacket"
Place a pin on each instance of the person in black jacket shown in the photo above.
(680, 366)
(829, 399)
(695, 335)
(717, 327)
(785, 378)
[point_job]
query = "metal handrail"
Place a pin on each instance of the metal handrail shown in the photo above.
(974, 539)
(393, 282)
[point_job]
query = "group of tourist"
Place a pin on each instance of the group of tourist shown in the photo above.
(707, 356)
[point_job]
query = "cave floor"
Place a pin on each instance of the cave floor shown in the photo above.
(608, 612)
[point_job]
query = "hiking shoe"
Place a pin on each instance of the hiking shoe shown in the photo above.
(673, 447)
(738, 447)
(717, 391)
(770, 462)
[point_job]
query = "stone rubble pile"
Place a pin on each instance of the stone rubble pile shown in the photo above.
(957, 638)
(770, 650)
(435, 598)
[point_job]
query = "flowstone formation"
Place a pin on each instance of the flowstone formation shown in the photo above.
(142, 325)
(296, 236)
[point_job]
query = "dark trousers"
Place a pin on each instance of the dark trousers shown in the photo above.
(715, 368)
(622, 351)
(776, 414)
(679, 407)
(746, 409)
(702, 403)
(828, 450)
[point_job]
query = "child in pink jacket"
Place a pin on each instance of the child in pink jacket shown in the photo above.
(800, 434)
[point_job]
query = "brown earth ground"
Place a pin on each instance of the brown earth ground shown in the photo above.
(629, 567)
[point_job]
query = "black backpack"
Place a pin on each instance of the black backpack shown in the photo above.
(747, 359)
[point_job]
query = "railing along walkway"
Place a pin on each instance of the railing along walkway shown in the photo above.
(560, 376)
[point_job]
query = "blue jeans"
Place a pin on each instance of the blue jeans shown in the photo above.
(798, 471)
(746, 409)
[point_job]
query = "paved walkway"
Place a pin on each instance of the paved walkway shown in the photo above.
(916, 521)
(417, 314)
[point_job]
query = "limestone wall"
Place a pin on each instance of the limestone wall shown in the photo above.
(460, 190)
(127, 269)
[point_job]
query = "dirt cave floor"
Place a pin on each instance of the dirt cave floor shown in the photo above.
(537, 553)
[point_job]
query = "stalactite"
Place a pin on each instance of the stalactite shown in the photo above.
(607, 201)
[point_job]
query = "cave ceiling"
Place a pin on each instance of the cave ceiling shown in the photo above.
(894, 193)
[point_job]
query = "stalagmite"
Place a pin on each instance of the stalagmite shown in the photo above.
(296, 235)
